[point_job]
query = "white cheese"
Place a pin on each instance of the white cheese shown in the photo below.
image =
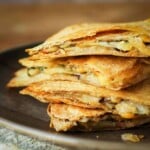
(128, 109)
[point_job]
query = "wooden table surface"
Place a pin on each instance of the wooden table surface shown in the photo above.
(22, 24)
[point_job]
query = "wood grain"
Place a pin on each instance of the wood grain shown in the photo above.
(21, 24)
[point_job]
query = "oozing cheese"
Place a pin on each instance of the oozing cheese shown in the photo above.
(121, 45)
(127, 109)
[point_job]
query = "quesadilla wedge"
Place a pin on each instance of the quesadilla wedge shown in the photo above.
(119, 39)
(128, 103)
(66, 117)
(102, 71)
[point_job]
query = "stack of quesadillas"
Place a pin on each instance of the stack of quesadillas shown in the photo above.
(94, 76)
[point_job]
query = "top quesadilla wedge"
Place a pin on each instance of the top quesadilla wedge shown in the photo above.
(120, 39)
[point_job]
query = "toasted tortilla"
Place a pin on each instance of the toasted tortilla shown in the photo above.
(119, 39)
(66, 117)
(75, 99)
(73, 113)
(102, 71)
(138, 93)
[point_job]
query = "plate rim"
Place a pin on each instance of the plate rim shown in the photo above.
(66, 140)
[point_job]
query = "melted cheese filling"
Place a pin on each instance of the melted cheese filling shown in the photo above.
(127, 109)
(84, 73)
(124, 108)
(122, 45)
(135, 43)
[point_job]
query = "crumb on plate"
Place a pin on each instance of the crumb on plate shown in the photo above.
(131, 137)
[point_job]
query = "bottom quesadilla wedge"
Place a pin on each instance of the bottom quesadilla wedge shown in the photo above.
(66, 117)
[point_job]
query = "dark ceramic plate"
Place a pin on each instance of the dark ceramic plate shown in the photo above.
(28, 116)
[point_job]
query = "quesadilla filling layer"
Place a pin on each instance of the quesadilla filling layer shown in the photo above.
(124, 108)
(75, 48)
(107, 122)
(133, 43)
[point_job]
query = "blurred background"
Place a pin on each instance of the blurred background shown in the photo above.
(27, 21)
